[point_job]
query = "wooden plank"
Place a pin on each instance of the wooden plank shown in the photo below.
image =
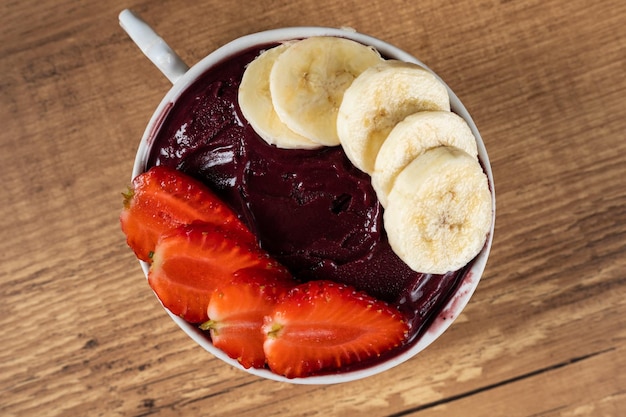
(544, 334)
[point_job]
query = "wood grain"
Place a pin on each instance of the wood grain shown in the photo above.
(544, 334)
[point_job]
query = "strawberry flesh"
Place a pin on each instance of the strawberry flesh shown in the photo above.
(321, 326)
(191, 261)
(207, 267)
(163, 198)
(236, 312)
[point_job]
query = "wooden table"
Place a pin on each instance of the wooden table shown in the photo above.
(545, 333)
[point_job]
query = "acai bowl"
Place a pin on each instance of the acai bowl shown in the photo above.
(309, 206)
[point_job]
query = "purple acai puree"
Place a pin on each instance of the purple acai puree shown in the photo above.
(311, 209)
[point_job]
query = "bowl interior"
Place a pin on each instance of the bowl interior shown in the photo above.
(469, 282)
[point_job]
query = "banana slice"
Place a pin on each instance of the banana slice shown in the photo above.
(256, 105)
(413, 136)
(308, 80)
(439, 211)
(377, 100)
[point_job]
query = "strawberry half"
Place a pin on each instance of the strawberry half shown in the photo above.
(163, 198)
(192, 261)
(236, 312)
(321, 326)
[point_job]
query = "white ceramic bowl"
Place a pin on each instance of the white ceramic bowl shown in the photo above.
(182, 78)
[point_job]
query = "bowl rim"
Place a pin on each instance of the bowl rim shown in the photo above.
(467, 287)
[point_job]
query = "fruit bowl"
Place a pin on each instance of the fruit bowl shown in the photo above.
(183, 78)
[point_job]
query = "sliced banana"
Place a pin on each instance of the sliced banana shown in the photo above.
(377, 100)
(308, 80)
(439, 211)
(413, 136)
(256, 105)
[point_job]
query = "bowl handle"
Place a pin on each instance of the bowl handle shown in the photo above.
(151, 44)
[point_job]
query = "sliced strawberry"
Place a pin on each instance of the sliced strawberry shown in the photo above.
(236, 312)
(191, 261)
(321, 326)
(163, 198)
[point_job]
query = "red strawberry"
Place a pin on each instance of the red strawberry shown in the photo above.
(163, 198)
(192, 261)
(236, 313)
(321, 326)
